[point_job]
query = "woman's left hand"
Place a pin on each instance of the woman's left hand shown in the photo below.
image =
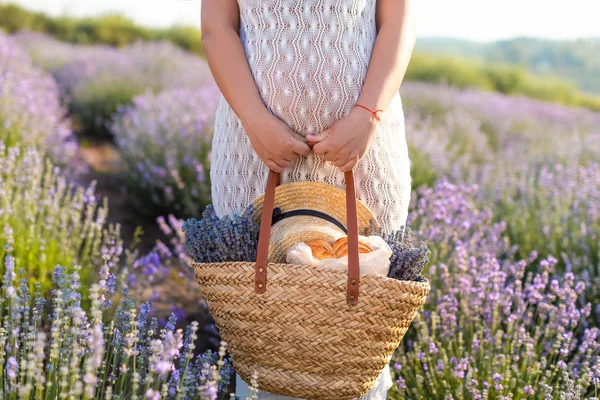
(347, 141)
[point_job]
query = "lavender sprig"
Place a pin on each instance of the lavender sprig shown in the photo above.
(409, 257)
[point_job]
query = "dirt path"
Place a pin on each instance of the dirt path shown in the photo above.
(105, 166)
(171, 294)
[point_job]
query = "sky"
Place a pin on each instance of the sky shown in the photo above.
(479, 20)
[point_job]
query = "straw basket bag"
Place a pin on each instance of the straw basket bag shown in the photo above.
(306, 331)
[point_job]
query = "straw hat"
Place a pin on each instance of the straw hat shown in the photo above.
(326, 208)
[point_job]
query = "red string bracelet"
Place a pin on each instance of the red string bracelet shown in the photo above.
(371, 111)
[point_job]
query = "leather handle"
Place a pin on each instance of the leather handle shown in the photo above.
(264, 235)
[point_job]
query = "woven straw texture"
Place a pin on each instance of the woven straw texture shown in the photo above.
(301, 336)
(317, 196)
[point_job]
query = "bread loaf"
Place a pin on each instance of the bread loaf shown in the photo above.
(321, 248)
(340, 247)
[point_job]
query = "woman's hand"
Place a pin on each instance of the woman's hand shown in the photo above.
(274, 141)
(347, 141)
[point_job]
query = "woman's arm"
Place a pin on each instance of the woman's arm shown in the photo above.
(391, 54)
(346, 142)
(272, 139)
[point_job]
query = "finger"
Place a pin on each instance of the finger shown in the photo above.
(283, 163)
(319, 136)
(301, 148)
(339, 162)
(348, 166)
(274, 166)
(331, 157)
(297, 136)
(335, 159)
(320, 148)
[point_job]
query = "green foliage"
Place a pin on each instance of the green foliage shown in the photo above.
(578, 60)
(186, 37)
(421, 168)
(110, 28)
(95, 102)
(9, 135)
(465, 73)
(14, 18)
(450, 70)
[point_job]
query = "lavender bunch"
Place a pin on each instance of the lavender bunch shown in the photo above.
(230, 238)
(409, 258)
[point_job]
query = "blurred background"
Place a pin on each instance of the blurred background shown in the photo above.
(106, 111)
(545, 39)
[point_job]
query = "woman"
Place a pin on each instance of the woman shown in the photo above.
(310, 90)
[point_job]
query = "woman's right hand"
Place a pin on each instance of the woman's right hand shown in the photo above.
(274, 141)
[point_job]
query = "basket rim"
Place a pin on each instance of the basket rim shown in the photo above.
(342, 274)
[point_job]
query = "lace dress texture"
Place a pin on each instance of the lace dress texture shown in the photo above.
(309, 60)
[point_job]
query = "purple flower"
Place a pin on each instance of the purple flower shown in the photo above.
(165, 139)
(490, 311)
(433, 348)
(31, 108)
(497, 377)
(12, 367)
(400, 383)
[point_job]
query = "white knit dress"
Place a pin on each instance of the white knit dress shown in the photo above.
(309, 60)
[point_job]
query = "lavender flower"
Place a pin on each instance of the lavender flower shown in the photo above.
(165, 140)
(408, 257)
(101, 78)
(83, 357)
(47, 221)
(498, 324)
(31, 113)
(533, 163)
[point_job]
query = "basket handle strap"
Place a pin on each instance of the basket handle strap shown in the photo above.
(260, 279)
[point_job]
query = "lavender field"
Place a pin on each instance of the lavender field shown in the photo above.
(506, 194)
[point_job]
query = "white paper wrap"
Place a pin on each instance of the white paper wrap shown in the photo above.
(376, 262)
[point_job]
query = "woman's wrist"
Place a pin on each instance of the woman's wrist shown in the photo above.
(254, 116)
(373, 112)
(364, 114)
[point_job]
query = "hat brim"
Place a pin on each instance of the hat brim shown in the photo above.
(318, 196)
